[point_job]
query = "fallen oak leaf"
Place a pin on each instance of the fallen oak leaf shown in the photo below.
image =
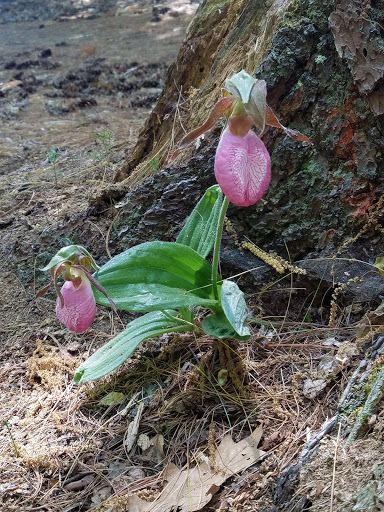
(189, 490)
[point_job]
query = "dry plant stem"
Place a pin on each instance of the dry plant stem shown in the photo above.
(372, 21)
(233, 373)
(341, 287)
(334, 469)
(202, 373)
(13, 441)
(8, 212)
(216, 249)
(220, 348)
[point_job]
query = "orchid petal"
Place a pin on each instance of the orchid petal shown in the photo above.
(239, 125)
(253, 94)
(55, 273)
(272, 120)
(79, 309)
(257, 104)
(240, 85)
(218, 110)
(97, 285)
(242, 168)
(69, 254)
(43, 290)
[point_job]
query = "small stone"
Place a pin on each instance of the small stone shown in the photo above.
(313, 388)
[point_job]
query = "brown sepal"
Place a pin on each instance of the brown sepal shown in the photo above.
(96, 284)
(272, 120)
(218, 110)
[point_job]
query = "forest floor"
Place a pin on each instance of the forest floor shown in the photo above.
(75, 91)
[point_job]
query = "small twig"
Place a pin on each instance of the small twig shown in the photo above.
(268, 346)
(177, 113)
(334, 469)
(12, 439)
(372, 21)
(8, 212)
(362, 366)
(96, 226)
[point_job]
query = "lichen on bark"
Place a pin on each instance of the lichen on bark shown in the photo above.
(319, 195)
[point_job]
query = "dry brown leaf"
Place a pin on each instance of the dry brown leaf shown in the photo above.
(191, 489)
(133, 428)
(153, 449)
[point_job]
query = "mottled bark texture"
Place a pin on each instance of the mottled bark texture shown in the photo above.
(323, 63)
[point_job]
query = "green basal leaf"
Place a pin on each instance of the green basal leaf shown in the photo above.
(240, 85)
(218, 325)
(66, 253)
(200, 229)
(156, 275)
(143, 297)
(235, 308)
(186, 314)
(118, 350)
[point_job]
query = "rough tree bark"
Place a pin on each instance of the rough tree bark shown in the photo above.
(324, 64)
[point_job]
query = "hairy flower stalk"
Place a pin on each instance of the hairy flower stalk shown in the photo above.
(79, 306)
(242, 162)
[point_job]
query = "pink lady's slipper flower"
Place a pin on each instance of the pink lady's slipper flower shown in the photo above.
(242, 167)
(242, 163)
(76, 304)
(79, 306)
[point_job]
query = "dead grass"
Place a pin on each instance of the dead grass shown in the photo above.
(71, 450)
(69, 445)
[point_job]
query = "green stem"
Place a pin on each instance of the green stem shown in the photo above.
(181, 321)
(216, 249)
(186, 314)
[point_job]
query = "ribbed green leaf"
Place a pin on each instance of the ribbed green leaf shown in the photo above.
(114, 353)
(154, 276)
(218, 325)
(200, 229)
(143, 297)
(235, 308)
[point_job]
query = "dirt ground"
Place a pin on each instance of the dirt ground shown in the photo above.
(75, 90)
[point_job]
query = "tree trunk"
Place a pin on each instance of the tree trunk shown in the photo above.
(323, 64)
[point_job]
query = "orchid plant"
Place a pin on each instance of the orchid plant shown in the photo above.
(168, 280)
